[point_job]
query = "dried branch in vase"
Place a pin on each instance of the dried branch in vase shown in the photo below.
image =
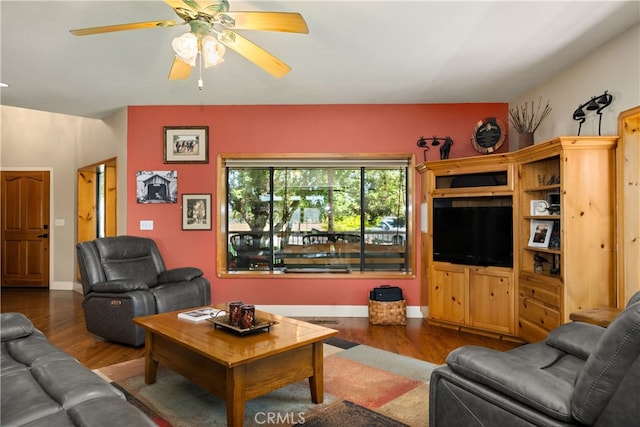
(527, 121)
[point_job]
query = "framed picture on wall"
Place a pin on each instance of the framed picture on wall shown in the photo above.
(196, 212)
(186, 144)
(540, 233)
(157, 186)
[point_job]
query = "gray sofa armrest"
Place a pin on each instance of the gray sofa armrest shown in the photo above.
(119, 286)
(15, 325)
(577, 338)
(508, 374)
(179, 275)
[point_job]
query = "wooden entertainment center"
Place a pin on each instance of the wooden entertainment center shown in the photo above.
(565, 189)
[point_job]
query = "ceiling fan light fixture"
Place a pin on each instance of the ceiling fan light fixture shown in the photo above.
(212, 51)
(186, 47)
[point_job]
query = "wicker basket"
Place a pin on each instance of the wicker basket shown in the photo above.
(387, 312)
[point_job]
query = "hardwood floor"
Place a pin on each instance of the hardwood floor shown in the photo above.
(59, 315)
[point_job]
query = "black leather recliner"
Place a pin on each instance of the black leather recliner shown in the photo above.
(581, 374)
(125, 277)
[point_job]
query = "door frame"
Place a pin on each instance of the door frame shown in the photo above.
(52, 227)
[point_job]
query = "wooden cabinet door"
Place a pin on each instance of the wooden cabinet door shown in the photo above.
(491, 293)
(447, 300)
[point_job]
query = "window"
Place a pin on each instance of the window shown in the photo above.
(309, 215)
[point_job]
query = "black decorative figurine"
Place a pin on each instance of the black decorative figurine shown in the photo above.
(446, 148)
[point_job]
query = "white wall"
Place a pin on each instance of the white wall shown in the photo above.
(614, 67)
(37, 140)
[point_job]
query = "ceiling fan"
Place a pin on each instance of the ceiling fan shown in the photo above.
(212, 28)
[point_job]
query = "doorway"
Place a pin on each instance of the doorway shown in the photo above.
(97, 195)
(25, 202)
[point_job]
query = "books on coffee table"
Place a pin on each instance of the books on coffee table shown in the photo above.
(199, 315)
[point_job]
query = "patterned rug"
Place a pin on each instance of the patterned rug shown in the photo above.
(363, 386)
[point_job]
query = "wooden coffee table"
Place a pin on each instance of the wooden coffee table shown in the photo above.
(232, 367)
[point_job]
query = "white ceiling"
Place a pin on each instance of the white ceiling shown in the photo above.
(356, 52)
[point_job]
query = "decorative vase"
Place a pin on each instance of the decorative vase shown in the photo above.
(525, 139)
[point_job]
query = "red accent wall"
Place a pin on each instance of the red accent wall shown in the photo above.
(283, 129)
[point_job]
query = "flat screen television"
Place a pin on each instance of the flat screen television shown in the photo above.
(481, 235)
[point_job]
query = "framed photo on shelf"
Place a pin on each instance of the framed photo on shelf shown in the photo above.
(540, 233)
(196, 212)
(186, 144)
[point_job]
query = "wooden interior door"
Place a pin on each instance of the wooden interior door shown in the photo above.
(25, 199)
(87, 204)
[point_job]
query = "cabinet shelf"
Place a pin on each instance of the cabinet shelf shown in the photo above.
(542, 275)
(538, 189)
(549, 217)
(544, 250)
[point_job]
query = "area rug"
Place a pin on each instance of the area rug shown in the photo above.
(363, 386)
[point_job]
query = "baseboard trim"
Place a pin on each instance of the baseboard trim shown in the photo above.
(413, 312)
(329, 310)
(61, 286)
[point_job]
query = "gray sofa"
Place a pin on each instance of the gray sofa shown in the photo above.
(43, 386)
(125, 277)
(581, 374)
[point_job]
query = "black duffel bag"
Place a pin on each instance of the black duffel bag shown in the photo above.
(386, 293)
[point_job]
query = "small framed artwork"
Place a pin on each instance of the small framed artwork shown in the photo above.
(157, 186)
(196, 212)
(540, 233)
(186, 144)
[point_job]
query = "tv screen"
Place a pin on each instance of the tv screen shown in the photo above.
(481, 235)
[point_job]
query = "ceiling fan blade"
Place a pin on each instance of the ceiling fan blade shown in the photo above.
(253, 53)
(266, 21)
(180, 70)
(122, 27)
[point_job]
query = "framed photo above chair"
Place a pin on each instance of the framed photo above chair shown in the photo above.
(186, 144)
(196, 212)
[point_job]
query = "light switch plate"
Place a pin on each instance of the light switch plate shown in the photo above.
(146, 225)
